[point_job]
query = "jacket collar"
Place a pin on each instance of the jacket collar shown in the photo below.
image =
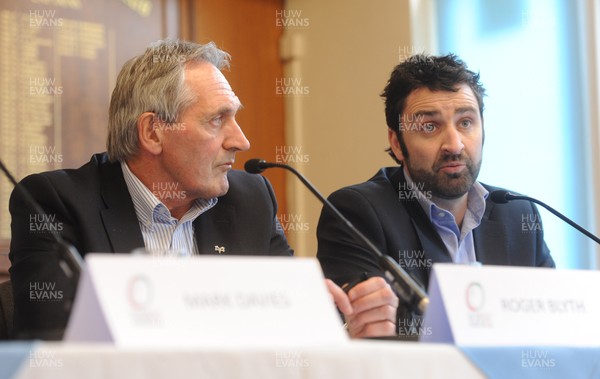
(431, 242)
(119, 218)
(489, 237)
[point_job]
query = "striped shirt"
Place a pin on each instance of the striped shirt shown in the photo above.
(162, 233)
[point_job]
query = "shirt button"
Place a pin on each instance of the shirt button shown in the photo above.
(441, 214)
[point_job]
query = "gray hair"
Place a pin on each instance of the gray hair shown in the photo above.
(154, 82)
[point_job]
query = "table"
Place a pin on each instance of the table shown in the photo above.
(357, 359)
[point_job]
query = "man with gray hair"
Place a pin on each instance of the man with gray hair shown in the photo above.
(165, 184)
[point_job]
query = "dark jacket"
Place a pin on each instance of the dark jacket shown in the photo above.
(397, 224)
(92, 209)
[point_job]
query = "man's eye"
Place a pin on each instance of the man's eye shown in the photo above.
(217, 121)
(466, 123)
(428, 127)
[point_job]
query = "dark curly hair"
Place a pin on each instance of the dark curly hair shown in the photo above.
(443, 73)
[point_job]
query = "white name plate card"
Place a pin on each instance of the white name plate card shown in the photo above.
(503, 306)
(203, 301)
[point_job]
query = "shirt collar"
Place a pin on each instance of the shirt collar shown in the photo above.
(149, 209)
(475, 199)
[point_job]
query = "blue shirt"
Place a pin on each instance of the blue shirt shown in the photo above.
(163, 233)
(459, 243)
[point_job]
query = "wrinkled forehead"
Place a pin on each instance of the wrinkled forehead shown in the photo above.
(210, 86)
(205, 76)
(425, 99)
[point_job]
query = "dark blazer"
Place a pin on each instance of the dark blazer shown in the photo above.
(397, 224)
(92, 209)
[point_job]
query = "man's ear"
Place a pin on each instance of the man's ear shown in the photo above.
(395, 145)
(150, 135)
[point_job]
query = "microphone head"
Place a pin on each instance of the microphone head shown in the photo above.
(500, 196)
(255, 166)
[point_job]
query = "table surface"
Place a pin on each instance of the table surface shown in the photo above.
(356, 359)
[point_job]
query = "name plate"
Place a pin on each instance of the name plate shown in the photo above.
(203, 301)
(503, 306)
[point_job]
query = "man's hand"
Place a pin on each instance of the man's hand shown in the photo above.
(369, 307)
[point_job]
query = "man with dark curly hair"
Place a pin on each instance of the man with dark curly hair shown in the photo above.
(430, 208)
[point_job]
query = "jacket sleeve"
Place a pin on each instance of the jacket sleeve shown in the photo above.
(542, 253)
(42, 292)
(278, 244)
(342, 258)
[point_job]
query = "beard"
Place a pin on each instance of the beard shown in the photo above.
(446, 185)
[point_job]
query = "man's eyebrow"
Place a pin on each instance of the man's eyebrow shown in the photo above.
(431, 113)
(229, 109)
(420, 114)
(466, 109)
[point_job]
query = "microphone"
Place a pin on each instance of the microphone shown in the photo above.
(257, 166)
(503, 197)
(403, 284)
(70, 260)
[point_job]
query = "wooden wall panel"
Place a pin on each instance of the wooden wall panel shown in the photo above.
(82, 53)
(58, 67)
(247, 30)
